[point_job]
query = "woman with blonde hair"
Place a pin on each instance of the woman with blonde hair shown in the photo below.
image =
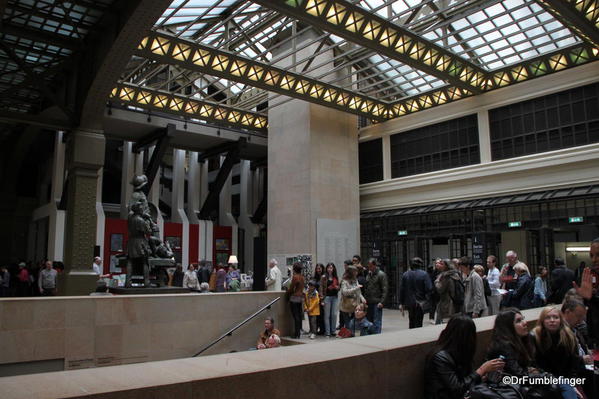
(556, 349)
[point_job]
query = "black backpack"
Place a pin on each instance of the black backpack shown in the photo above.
(458, 295)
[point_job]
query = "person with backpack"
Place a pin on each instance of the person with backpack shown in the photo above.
(450, 288)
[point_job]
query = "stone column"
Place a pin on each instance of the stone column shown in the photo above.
(57, 217)
(225, 217)
(101, 217)
(126, 175)
(85, 158)
(178, 203)
(246, 211)
(193, 188)
(312, 177)
(154, 196)
(206, 226)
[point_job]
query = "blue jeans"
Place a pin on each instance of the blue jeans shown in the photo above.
(567, 391)
(330, 314)
(375, 315)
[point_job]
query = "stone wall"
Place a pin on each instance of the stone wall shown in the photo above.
(383, 366)
(101, 331)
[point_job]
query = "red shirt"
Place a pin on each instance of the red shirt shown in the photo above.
(23, 276)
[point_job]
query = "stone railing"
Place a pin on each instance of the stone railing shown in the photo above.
(66, 333)
(383, 366)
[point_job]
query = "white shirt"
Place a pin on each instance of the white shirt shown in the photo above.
(190, 280)
(274, 279)
(493, 279)
(96, 268)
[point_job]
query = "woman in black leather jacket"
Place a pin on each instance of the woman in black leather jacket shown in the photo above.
(448, 368)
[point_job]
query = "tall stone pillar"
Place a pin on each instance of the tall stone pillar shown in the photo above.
(85, 158)
(101, 217)
(56, 223)
(178, 203)
(127, 173)
(225, 216)
(154, 196)
(193, 188)
(313, 197)
(245, 213)
(206, 226)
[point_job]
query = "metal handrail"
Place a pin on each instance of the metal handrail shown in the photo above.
(230, 332)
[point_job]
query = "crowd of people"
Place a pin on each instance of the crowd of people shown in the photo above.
(41, 279)
(205, 278)
(558, 351)
(457, 286)
(356, 300)
(30, 279)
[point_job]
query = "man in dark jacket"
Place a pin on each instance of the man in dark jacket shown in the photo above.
(415, 291)
(204, 272)
(523, 294)
(375, 294)
(561, 281)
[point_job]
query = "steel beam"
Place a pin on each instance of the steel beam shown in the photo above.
(238, 146)
(169, 49)
(148, 98)
(212, 198)
(157, 155)
(369, 30)
(581, 16)
(38, 81)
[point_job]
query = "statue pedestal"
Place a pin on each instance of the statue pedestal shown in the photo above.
(157, 268)
(148, 290)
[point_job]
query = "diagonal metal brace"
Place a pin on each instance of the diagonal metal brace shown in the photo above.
(212, 199)
(159, 151)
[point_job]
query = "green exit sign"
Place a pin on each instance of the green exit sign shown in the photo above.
(402, 233)
(576, 219)
(515, 224)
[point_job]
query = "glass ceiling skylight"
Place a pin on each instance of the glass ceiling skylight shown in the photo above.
(484, 36)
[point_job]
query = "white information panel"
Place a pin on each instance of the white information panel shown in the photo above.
(336, 241)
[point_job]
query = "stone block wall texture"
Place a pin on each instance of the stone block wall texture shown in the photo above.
(383, 366)
(109, 330)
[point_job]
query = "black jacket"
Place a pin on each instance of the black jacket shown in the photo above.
(524, 292)
(558, 361)
(561, 282)
(415, 286)
(445, 380)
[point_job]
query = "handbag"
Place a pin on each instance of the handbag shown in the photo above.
(541, 391)
(344, 333)
(494, 391)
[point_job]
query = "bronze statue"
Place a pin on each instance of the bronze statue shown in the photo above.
(144, 244)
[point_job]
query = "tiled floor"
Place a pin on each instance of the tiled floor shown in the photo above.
(393, 321)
